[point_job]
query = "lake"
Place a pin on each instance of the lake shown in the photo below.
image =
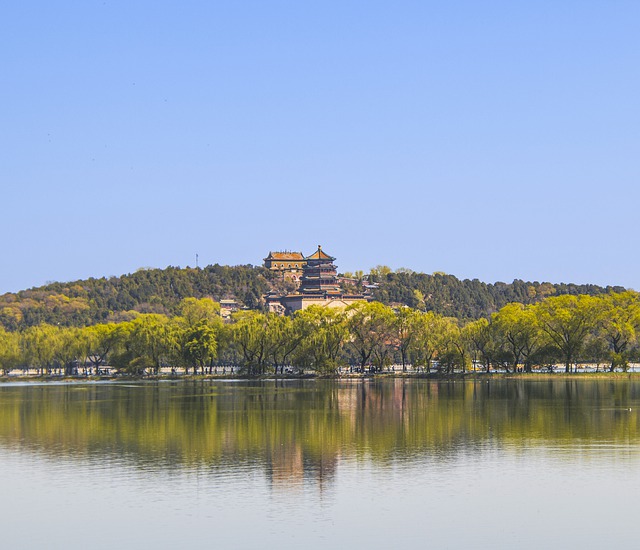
(520, 463)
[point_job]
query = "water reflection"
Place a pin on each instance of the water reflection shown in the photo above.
(299, 431)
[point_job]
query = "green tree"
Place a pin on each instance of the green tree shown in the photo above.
(251, 337)
(195, 310)
(619, 325)
(284, 339)
(567, 321)
(100, 341)
(371, 330)
(480, 336)
(198, 345)
(151, 342)
(38, 345)
(69, 347)
(517, 327)
(9, 350)
(429, 339)
(405, 330)
(323, 333)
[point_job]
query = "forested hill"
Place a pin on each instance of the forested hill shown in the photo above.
(93, 301)
(469, 299)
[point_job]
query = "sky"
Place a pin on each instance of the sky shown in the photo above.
(495, 140)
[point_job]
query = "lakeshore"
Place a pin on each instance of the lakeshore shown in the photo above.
(435, 376)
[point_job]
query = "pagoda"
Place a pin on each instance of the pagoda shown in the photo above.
(319, 274)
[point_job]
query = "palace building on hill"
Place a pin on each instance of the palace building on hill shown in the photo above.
(290, 264)
(318, 285)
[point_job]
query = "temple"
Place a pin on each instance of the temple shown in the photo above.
(290, 264)
(318, 286)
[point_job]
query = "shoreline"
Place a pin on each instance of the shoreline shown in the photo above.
(469, 376)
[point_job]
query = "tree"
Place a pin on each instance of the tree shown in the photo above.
(9, 350)
(480, 336)
(455, 347)
(194, 310)
(405, 331)
(70, 346)
(567, 320)
(100, 341)
(323, 333)
(198, 344)
(428, 341)
(517, 327)
(371, 327)
(151, 342)
(38, 345)
(619, 325)
(251, 337)
(284, 340)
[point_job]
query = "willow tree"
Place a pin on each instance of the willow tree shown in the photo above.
(619, 325)
(151, 341)
(430, 339)
(516, 326)
(9, 350)
(194, 311)
(480, 337)
(71, 347)
(100, 341)
(370, 326)
(323, 333)
(285, 339)
(196, 333)
(38, 346)
(405, 331)
(567, 321)
(198, 345)
(249, 334)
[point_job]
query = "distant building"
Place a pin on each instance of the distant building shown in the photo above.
(227, 307)
(318, 285)
(290, 264)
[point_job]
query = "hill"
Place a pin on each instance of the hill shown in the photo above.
(81, 303)
(469, 299)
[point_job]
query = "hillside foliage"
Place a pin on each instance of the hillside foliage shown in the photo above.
(82, 303)
(91, 301)
(470, 299)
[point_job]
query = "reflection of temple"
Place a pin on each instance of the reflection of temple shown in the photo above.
(318, 286)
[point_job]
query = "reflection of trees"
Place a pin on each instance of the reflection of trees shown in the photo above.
(302, 429)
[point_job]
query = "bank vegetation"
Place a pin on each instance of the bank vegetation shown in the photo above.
(366, 337)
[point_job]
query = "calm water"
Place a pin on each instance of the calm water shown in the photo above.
(390, 464)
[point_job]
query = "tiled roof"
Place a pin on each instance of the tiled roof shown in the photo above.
(320, 255)
(285, 256)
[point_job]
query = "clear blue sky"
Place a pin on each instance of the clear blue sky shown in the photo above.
(490, 140)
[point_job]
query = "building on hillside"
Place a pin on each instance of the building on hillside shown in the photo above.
(290, 264)
(227, 307)
(318, 286)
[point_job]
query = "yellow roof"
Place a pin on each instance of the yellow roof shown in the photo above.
(285, 256)
(320, 255)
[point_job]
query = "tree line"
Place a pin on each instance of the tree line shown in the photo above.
(161, 291)
(366, 336)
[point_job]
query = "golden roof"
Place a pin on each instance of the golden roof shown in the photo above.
(320, 255)
(292, 256)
